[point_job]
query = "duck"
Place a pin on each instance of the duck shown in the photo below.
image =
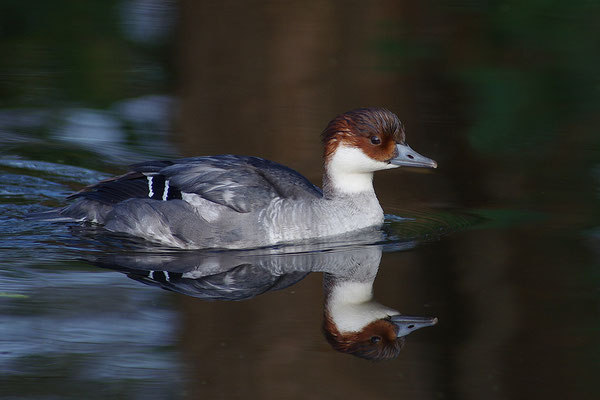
(236, 202)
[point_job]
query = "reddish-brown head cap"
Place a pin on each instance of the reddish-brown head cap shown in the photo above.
(375, 130)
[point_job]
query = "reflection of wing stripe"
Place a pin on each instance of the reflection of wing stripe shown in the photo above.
(239, 283)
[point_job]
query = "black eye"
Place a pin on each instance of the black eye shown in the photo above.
(375, 140)
(375, 339)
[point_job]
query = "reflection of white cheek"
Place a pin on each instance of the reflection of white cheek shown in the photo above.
(351, 307)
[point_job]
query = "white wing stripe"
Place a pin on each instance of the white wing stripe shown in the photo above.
(150, 192)
(166, 192)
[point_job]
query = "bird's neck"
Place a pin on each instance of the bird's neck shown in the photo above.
(337, 183)
(348, 171)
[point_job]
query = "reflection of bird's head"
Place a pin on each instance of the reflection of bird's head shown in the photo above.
(376, 341)
(356, 324)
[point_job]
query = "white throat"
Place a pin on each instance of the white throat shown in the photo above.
(351, 306)
(349, 170)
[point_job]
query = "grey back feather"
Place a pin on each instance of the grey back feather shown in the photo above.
(244, 184)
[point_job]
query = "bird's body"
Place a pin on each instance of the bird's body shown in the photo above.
(233, 201)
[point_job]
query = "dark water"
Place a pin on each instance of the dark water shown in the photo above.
(502, 243)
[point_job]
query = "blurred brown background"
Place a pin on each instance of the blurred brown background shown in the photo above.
(496, 96)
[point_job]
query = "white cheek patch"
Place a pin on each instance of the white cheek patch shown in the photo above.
(354, 160)
(351, 171)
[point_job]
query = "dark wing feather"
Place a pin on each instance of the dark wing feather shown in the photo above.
(241, 183)
(131, 185)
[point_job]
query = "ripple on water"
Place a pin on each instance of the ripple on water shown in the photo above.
(429, 224)
(51, 322)
(32, 168)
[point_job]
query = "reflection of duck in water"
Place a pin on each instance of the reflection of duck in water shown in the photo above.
(246, 202)
(353, 322)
